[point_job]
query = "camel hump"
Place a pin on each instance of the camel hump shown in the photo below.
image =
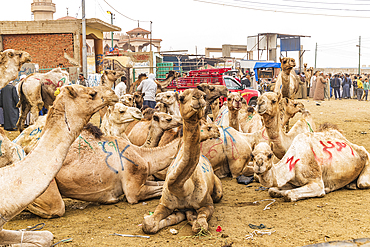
(94, 130)
(328, 126)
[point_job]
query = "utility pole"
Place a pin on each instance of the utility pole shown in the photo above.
(359, 55)
(84, 50)
(315, 54)
(111, 19)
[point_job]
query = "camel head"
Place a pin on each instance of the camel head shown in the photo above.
(287, 64)
(208, 131)
(110, 76)
(172, 74)
(213, 92)
(161, 107)
(120, 114)
(167, 98)
(142, 77)
(9, 152)
(292, 106)
(262, 158)
(11, 62)
(139, 99)
(268, 103)
(165, 121)
(305, 65)
(127, 100)
(234, 101)
(192, 104)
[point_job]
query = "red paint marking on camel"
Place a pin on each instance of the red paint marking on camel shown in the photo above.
(37, 78)
(325, 149)
(232, 149)
(208, 154)
(291, 163)
(263, 134)
(49, 82)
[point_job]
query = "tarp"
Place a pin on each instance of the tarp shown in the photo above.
(259, 65)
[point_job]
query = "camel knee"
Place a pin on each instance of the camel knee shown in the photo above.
(200, 224)
(275, 192)
(150, 225)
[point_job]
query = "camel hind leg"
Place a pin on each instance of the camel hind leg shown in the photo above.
(363, 181)
(161, 218)
(217, 190)
(26, 238)
(25, 109)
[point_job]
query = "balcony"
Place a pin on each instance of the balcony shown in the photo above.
(43, 7)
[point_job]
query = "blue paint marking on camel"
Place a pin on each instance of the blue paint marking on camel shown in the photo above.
(106, 158)
(225, 131)
(122, 156)
(35, 131)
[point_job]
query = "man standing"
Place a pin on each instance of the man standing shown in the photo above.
(120, 89)
(347, 83)
(336, 86)
(82, 81)
(149, 87)
(360, 88)
(246, 81)
(8, 101)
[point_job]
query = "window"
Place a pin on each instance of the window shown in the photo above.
(232, 83)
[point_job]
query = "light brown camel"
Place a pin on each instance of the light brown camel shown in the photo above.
(213, 92)
(190, 183)
(215, 107)
(37, 90)
(314, 165)
(127, 100)
(9, 152)
(250, 122)
(108, 79)
(118, 117)
(230, 115)
(161, 107)
(169, 98)
(11, 62)
(30, 177)
(268, 108)
(139, 100)
(134, 85)
(287, 81)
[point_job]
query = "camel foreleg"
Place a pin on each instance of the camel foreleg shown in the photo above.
(26, 238)
(204, 215)
(35, 111)
(161, 218)
(144, 192)
(217, 190)
(363, 181)
(314, 188)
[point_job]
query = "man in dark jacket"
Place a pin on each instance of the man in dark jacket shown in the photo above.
(246, 81)
(336, 86)
(8, 101)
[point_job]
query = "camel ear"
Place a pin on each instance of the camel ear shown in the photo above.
(106, 72)
(177, 96)
(279, 96)
(287, 101)
(182, 98)
(2, 55)
(71, 92)
(156, 117)
(280, 60)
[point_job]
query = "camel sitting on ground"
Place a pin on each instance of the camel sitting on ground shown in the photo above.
(268, 107)
(9, 152)
(30, 177)
(11, 62)
(37, 91)
(190, 183)
(134, 85)
(118, 117)
(169, 98)
(287, 81)
(230, 115)
(314, 165)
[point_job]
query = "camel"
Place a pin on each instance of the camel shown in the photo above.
(11, 62)
(161, 107)
(161, 85)
(314, 165)
(127, 100)
(215, 107)
(108, 79)
(169, 98)
(230, 115)
(37, 90)
(139, 100)
(250, 122)
(268, 108)
(30, 177)
(190, 183)
(9, 152)
(213, 92)
(287, 81)
(134, 85)
(118, 117)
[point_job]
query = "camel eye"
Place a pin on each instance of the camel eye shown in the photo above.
(93, 95)
(122, 111)
(273, 101)
(169, 119)
(269, 156)
(295, 105)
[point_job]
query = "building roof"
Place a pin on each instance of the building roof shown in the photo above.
(101, 25)
(137, 30)
(67, 18)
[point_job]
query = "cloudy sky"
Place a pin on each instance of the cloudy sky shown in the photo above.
(335, 25)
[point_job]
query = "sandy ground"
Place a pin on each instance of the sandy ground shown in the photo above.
(340, 215)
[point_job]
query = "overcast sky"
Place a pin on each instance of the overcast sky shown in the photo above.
(195, 24)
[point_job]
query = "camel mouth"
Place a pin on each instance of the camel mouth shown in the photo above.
(261, 112)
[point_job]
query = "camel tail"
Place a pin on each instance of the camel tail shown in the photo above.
(22, 97)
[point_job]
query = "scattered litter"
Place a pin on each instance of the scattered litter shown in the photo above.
(35, 227)
(140, 225)
(322, 205)
(244, 180)
(223, 235)
(318, 104)
(151, 213)
(109, 217)
(132, 236)
(67, 240)
(174, 231)
(363, 132)
(219, 229)
(260, 227)
(257, 232)
(144, 203)
(267, 206)
(261, 188)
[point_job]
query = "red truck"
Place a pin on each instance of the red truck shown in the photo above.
(214, 77)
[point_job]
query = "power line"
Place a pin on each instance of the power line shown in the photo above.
(300, 7)
(123, 14)
(330, 3)
(281, 11)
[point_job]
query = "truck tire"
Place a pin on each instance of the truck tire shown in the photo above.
(252, 102)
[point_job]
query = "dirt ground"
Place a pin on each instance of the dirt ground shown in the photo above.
(340, 215)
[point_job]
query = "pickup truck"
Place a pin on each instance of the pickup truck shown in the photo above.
(214, 77)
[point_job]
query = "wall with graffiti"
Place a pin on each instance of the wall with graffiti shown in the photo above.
(27, 69)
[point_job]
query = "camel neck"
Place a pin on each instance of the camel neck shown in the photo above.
(234, 119)
(31, 176)
(190, 156)
(285, 89)
(153, 138)
(268, 179)
(272, 126)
